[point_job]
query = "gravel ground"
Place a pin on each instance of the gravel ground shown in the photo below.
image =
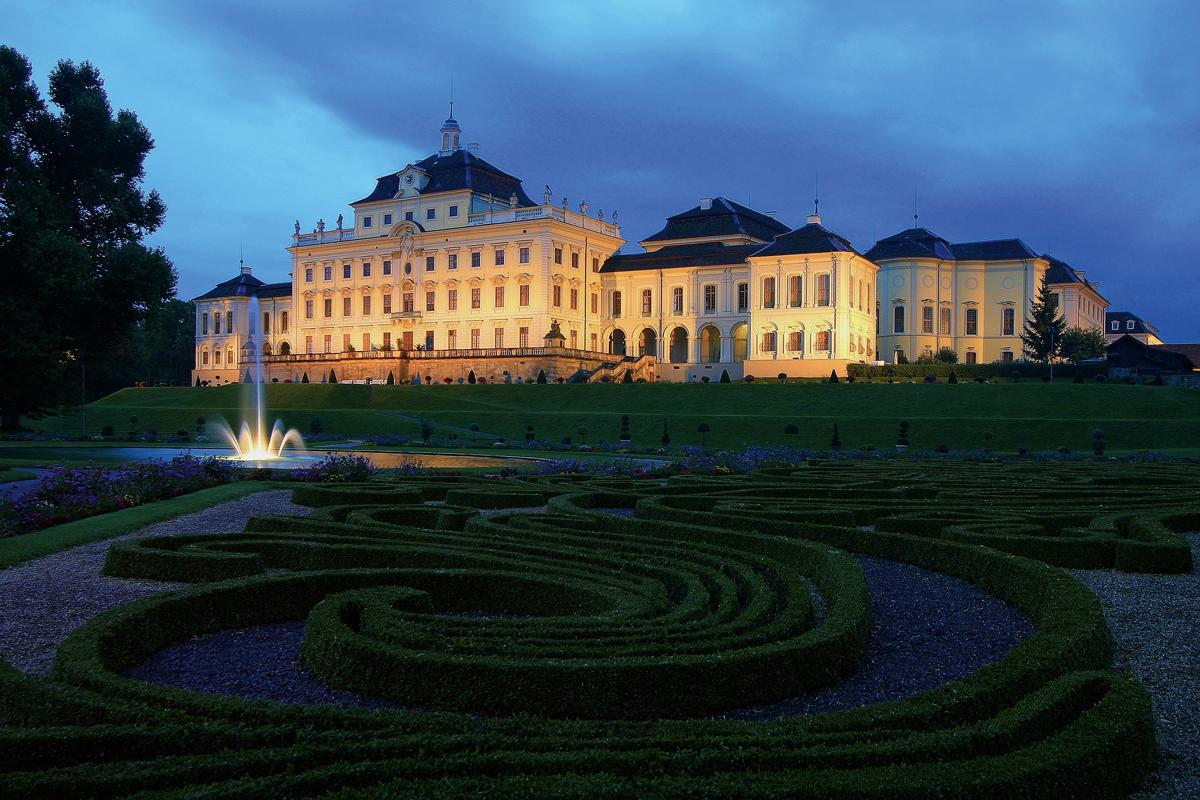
(43, 600)
(929, 629)
(1154, 620)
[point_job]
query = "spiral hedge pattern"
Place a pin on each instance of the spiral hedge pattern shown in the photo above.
(584, 650)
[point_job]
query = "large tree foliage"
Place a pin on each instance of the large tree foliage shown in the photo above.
(1081, 344)
(1041, 337)
(73, 215)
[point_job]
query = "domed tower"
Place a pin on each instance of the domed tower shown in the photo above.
(450, 134)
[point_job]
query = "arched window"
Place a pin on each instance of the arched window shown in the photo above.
(204, 358)
(822, 340)
(266, 348)
(768, 342)
(679, 346)
(710, 344)
(616, 342)
(285, 349)
(648, 343)
(229, 356)
(795, 341)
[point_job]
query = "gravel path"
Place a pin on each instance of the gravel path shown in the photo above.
(43, 600)
(929, 629)
(1154, 620)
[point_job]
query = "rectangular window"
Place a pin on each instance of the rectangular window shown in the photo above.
(387, 303)
(308, 274)
(408, 215)
(558, 255)
(366, 269)
(204, 324)
(595, 303)
(768, 342)
(574, 299)
(229, 321)
(308, 309)
(898, 319)
(596, 264)
(499, 297)
(616, 304)
(430, 301)
(769, 294)
(926, 319)
(795, 293)
(283, 322)
(429, 263)
(1116, 326)
(972, 357)
(677, 300)
(523, 255)
(476, 297)
(406, 302)
(328, 307)
(452, 261)
(366, 222)
(329, 343)
(972, 322)
(823, 294)
(387, 340)
(346, 268)
(595, 342)
(647, 302)
(556, 294)
(796, 341)
(387, 219)
(498, 258)
(366, 305)
(204, 358)
(474, 338)
(944, 321)
(308, 344)
(387, 268)
(476, 258)
(523, 295)
(431, 213)
(217, 357)
(1008, 322)
(328, 273)
(1129, 325)
(454, 211)
(452, 340)
(575, 260)
(345, 306)
(523, 337)
(452, 299)
(710, 299)
(1006, 357)
(499, 338)
(743, 297)
(574, 340)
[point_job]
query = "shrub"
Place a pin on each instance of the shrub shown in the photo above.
(1101, 378)
(833, 378)
(391, 379)
(952, 378)
(947, 355)
(107, 431)
(628, 378)
(528, 434)
(931, 378)
(1097, 442)
(426, 431)
(624, 428)
(335, 468)
(704, 379)
(332, 376)
(902, 438)
(942, 448)
(703, 429)
(791, 429)
(666, 436)
(835, 444)
(315, 426)
(1016, 376)
(782, 377)
(541, 376)
(304, 378)
(749, 379)
(471, 377)
(724, 376)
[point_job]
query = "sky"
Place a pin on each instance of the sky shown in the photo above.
(1071, 124)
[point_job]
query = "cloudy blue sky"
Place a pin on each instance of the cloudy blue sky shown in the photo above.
(1074, 125)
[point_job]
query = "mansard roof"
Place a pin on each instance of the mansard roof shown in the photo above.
(455, 171)
(1062, 272)
(723, 218)
(246, 285)
(704, 254)
(810, 238)
(1140, 325)
(912, 243)
(923, 243)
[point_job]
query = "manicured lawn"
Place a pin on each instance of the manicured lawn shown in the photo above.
(16, 549)
(9, 475)
(1028, 414)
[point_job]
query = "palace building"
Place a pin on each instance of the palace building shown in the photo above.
(449, 271)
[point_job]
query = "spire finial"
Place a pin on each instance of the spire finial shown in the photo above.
(914, 208)
(451, 97)
(816, 192)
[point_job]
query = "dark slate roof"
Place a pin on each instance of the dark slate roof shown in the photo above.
(246, 285)
(992, 250)
(1139, 325)
(810, 238)
(458, 170)
(724, 218)
(1062, 272)
(1130, 353)
(241, 285)
(912, 243)
(1190, 351)
(705, 254)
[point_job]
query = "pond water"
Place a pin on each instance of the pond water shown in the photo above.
(113, 455)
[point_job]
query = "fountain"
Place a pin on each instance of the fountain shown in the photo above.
(253, 443)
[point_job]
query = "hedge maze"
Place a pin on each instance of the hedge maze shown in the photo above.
(593, 643)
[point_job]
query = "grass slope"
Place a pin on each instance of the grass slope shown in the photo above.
(1033, 415)
(17, 549)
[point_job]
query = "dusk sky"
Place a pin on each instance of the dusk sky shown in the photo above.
(1072, 125)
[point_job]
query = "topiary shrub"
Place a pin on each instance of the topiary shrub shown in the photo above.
(724, 376)
(426, 431)
(942, 448)
(703, 429)
(391, 379)
(902, 437)
(628, 377)
(1016, 376)
(782, 377)
(471, 377)
(528, 434)
(1097, 442)
(953, 378)
(304, 379)
(704, 379)
(791, 429)
(835, 444)
(315, 426)
(931, 378)
(666, 436)
(107, 431)
(332, 376)
(541, 376)
(833, 378)
(749, 379)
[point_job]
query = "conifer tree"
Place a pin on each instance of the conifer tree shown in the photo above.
(1041, 337)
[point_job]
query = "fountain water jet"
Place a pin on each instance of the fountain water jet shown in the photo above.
(253, 442)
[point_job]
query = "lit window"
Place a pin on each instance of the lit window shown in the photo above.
(677, 300)
(1008, 322)
(796, 341)
(768, 342)
(822, 343)
(647, 302)
(944, 321)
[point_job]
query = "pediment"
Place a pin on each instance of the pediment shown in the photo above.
(412, 180)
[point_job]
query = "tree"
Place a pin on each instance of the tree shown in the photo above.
(1081, 344)
(332, 376)
(1041, 337)
(73, 215)
(946, 355)
(833, 378)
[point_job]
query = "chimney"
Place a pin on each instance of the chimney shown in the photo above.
(814, 219)
(473, 148)
(705, 203)
(245, 269)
